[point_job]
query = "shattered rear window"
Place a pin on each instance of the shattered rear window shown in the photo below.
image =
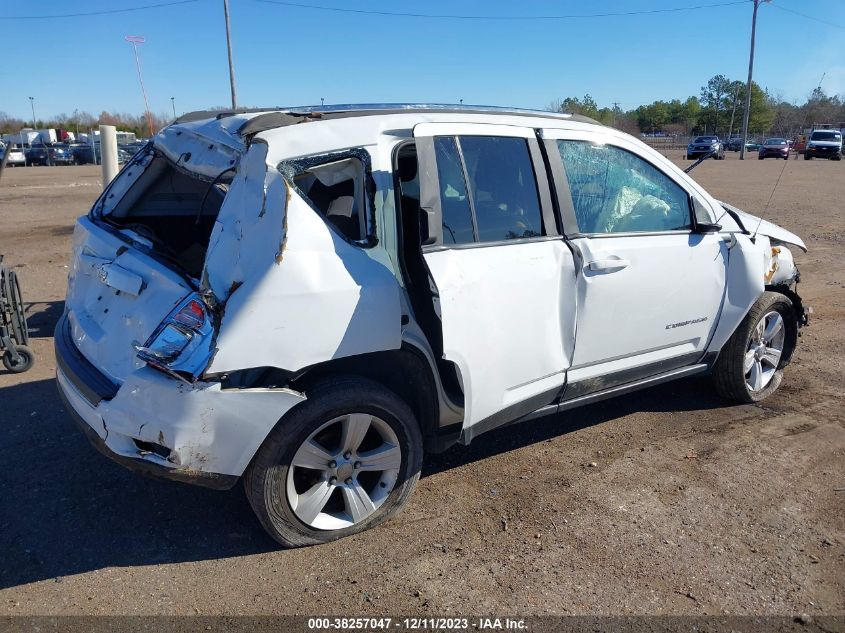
(337, 187)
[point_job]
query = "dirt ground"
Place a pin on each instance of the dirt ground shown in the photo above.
(693, 506)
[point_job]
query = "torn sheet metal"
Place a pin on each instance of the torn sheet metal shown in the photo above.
(199, 151)
(293, 292)
(249, 229)
(207, 429)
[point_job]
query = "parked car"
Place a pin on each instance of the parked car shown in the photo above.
(734, 144)
(37, 154)
(319, 295)
(824, 144)
(83, 153)
(16, 156)
(774, 148)
(60, 155)
(752, 146)
(704, 146)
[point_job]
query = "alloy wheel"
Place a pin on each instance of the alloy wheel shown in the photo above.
(343, 472)
(764, 351)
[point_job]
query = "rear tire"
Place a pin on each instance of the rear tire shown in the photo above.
(742, 359)
(280, 487)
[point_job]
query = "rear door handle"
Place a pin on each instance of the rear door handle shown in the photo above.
(608, 265)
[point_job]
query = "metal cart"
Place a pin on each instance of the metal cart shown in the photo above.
(14, 335)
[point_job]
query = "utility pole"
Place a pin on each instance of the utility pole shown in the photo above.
(747, 113)
(173, 104)
(229, 48)
(135, 40)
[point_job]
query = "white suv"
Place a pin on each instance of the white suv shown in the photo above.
(306, 299)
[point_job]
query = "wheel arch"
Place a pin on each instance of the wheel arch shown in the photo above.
(404, 371)
(408, 371)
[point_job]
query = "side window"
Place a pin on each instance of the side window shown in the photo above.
(503, 188)
(336, 190)
(454, 202)
(615, 191)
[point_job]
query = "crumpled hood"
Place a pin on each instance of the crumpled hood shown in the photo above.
(754, 224)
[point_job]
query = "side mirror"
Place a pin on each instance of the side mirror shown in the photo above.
(703, 221)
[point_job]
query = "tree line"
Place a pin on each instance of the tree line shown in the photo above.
(80, 121)
(718, 109)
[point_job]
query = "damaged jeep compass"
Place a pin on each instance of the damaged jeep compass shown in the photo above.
(308, 299)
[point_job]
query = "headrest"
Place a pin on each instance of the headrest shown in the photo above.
(341, 206)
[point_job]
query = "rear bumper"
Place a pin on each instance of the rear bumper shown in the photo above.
(140, 465)
(158, 425)
(87, 379)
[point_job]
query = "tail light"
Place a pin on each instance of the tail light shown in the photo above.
(182, 344)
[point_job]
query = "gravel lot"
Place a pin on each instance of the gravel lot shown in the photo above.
(692, 506)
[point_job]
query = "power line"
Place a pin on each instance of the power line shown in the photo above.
(92, 13)
(300, 5)
(809, 17)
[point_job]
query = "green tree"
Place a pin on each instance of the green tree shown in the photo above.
(713, 99)
(654, 116)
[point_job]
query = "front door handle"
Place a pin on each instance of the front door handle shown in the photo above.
(608, 265)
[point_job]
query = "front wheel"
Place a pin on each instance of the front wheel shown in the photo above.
(750, 366)
(343, 461)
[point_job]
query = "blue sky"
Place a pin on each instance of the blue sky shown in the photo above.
(289, 56)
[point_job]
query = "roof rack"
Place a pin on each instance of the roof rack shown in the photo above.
(274, 117)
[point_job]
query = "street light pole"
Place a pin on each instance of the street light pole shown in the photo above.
(173, 103)
(135, 40)
(747, 113)
(229, 49)
(32, 105)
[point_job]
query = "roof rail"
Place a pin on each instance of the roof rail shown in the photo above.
(273, 117)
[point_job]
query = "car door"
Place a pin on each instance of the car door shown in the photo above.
(651, 279)
(503, 274)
